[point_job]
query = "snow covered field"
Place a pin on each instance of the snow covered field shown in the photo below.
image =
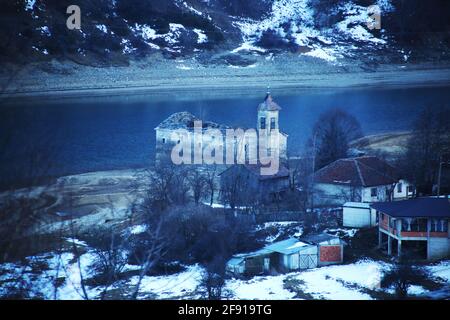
(340, 282)
(353, 281)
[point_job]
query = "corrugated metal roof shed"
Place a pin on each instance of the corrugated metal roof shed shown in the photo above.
(235, 261)
(318, 238)
(288, 246)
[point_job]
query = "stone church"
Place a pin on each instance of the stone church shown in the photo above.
(267, 125)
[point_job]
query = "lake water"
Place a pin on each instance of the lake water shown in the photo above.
(68, 137)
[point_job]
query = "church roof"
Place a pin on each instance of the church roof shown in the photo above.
(185, 120)
(268, 104)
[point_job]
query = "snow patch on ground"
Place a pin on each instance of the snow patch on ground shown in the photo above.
(148, 34)
(127, 47)
(385, 5)
(441, 270)
(321, 54)
(57, 266)
(294, 20)
(283, 11)
(241, 67)
(340, 232)
(43, 51)
(260, 288)
(216, 205)
(102, 28)
(77, 242)
(247, 46)
(277, 224)
(45, 31)
(178, 285)
(183, 67)
(29, 5)
(417, 290)
(339, 282)
(192, 9)
(201, 36)
(138, 229)
(355, 24)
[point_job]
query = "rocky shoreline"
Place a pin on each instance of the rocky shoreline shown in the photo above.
(187, 77)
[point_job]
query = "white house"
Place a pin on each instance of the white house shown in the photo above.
(403, 190)
(362, 179)
(358, 215)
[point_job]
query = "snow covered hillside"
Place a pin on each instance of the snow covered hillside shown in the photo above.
(115, 31)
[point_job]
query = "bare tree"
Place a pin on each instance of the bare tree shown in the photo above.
(111, 257)
(167, 184)
(212, 284)
(154, 246)
(198, 183)
(429, 142)
(210, 177)
(232, 190)
(332, 133)
(402, 276)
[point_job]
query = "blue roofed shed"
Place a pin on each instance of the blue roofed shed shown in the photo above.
(282, 256)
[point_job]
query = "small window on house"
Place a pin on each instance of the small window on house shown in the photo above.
(164, 140)
(399, 187)
(373, 192)
(262, 122)
(272, 123)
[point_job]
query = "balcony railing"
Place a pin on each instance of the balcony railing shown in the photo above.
(414, 234)
(423, 234)
(419, 229)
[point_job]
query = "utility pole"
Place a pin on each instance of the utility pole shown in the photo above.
(440, 175)
(313, 172)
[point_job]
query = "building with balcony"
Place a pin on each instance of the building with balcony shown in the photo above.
(419, 227)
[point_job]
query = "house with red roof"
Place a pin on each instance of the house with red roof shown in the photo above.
(362, 179)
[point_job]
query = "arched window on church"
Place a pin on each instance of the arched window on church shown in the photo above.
(262, 124)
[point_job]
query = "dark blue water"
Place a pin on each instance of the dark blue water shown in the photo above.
(51, 139)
